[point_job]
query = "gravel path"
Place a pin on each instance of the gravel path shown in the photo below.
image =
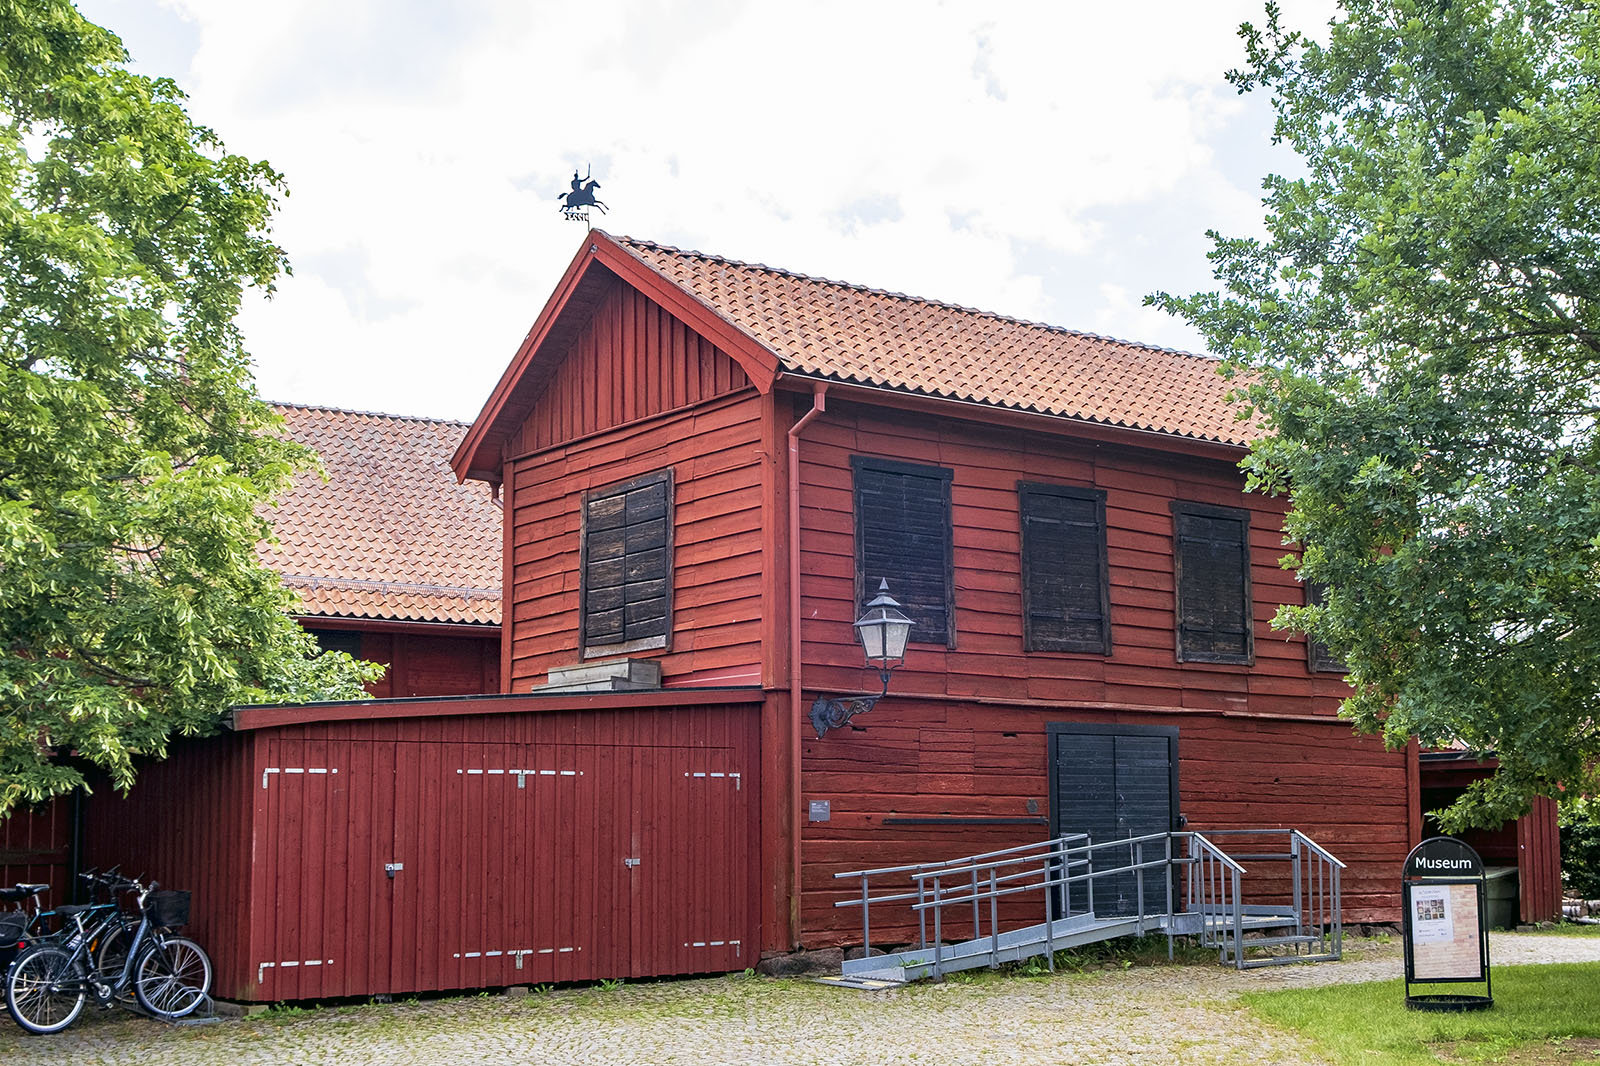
(1186, 1014)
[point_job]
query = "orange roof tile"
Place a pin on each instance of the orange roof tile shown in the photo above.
(855, 334)
(391, 534)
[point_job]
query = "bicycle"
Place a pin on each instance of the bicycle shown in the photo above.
(19, 927)
(170, 975)
(17, 924)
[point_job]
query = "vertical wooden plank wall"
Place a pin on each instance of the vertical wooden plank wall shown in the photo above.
(35, 843)
(632, 360)
(187, 823)
(501, 882)
(422, 665)
(1539, 863)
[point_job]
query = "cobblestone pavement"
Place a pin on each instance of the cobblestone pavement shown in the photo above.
(1160, 1014)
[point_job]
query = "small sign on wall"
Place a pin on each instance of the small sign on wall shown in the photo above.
(1446, 937)
(821, 810)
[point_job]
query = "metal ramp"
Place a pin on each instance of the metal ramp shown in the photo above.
(998, 888)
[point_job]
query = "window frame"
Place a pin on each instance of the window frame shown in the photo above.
(1030, 642)
(1326, 662)
(662, 642)
(1185, 508)
(945, 476)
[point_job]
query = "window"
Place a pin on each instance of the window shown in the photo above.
(903, 536)
(1212, 572)
(1065, 597)
(626, 567)
(1319, 657)
(345, 640)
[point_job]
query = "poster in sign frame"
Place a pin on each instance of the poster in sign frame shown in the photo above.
(1443, 897)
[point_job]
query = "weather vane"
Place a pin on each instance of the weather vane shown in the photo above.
(575, 204)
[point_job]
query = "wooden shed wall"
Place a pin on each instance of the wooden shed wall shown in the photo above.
(421, 665)
(188, 824)
(1531, 843)
(504, 878)
(35, 843)
(987, 659)
(716, 454)
(958, 761)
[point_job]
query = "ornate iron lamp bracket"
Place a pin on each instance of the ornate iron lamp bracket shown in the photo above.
(831, 713)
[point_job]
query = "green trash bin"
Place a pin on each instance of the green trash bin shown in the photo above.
(1500, 887)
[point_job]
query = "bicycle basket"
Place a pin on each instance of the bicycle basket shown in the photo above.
(12, 926)
(168, 909)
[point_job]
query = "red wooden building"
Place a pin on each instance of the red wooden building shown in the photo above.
(704, 467)
(706, 463)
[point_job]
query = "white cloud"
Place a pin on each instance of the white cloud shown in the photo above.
(1053, 161)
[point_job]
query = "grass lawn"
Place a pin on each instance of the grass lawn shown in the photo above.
(1541, 1015)
(1566, 929)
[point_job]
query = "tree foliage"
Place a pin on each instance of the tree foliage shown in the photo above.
(1420, 332)
(135, 457)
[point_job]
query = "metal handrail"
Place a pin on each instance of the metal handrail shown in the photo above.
(1214, 887)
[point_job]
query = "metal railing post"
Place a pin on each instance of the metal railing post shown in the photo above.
(977, 925)
(922, 916)
(1138, 882)
(1294, 868)
(866, 919)
(1166, 876)
(1238, 924)
(938, 930)
(1049, 909)
(994, 922)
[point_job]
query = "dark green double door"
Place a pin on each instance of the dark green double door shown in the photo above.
(1114, 782)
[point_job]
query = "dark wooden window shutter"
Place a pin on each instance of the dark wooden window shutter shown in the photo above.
(903, 534)
(1212, 564)
(627, 565)
(1065, 594)
(1319, 657)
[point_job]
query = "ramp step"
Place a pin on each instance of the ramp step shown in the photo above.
(1285, 960)
(1269, 941)
(864, 983)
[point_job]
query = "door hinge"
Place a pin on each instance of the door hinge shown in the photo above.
(630, 863)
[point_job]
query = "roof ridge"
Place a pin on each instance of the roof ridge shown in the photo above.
(637, 242)
(367, 414)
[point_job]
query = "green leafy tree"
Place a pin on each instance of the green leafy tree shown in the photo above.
(135, 457)
(1420, 332)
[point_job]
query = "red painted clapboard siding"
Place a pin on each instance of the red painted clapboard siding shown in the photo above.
(988, 659)
(714, 451)
(632, 360)
(187, 824)
(920, 758)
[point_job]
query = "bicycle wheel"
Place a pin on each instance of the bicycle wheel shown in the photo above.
(44, 990)
(172, 977)
(111, 954)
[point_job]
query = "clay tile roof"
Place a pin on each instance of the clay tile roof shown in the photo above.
(850, 333)
(391, 534)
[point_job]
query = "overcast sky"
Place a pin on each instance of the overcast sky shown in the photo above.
(1054, 161)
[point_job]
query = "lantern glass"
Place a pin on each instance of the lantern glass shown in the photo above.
(883, 630)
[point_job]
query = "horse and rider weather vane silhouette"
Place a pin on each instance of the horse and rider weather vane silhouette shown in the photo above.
(575, 204)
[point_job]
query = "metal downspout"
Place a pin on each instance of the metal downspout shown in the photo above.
(819, 404)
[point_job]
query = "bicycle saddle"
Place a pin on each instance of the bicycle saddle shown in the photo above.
(21, 892)
(68, 910)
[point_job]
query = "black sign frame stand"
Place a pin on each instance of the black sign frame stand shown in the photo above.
(1438, 862)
